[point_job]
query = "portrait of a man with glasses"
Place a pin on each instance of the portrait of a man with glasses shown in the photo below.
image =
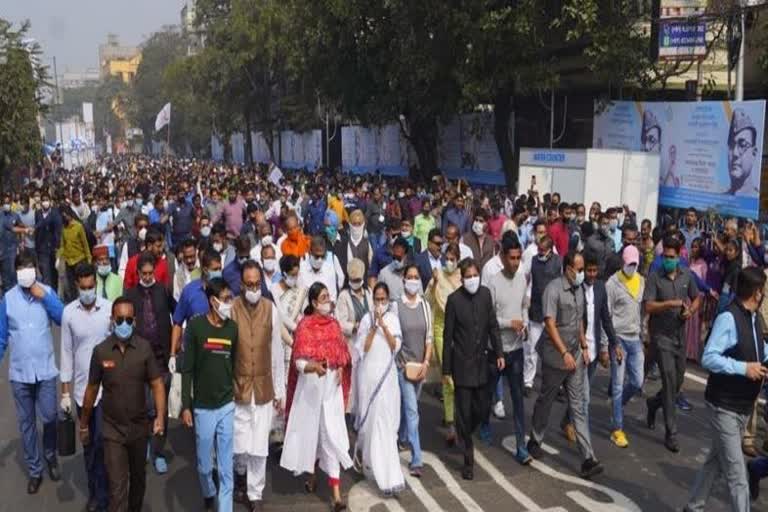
(742, 154)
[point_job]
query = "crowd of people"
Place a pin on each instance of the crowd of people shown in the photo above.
(304, 312)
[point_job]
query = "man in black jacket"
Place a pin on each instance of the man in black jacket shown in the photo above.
(48, 228)
(153, 306)
(470, 341)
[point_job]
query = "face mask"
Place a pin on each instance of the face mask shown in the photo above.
(26, 277)
(123, 331)
(324, 309)
(214, 274)
(147, 285)
(104, 270)
(629, 270)
(242, 261)
(357, 231)
(270, 265)
(472, 284)
(605, 230)
(252, 297)
(544, 257)
(124, 204)
(397, 265)
(401, 195)
(46, 205)
(218, 247)
(139, 202)
(478, 228)
(356, 285)
(88, 297)
(266, 240)
(316, 263)
(331, 232)
(670, 265)
(614, 224)
(406, 233)
(450, 266)
(6, 207)
(412, 286)
(290, 281)
(205, 231)
(142, 234)
(224, 310)
(579, 279)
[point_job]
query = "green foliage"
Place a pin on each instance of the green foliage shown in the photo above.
(22, 79)
(104, 95)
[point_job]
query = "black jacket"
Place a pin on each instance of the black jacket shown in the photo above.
(47, 231)
(471, 331)
(163, 306)
(602, 320)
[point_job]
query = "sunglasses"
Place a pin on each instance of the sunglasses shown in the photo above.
(124, 319)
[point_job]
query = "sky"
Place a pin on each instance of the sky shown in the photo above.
(71, 30)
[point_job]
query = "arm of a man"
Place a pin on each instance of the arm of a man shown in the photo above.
(722, 338)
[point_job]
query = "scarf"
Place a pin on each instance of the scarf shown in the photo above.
(295, 244)
(319, 338)
(632, 284)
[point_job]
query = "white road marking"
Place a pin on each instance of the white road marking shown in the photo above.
(621, 503)
(505, 484)
(450, 482)
(418, 488)
(362, 497)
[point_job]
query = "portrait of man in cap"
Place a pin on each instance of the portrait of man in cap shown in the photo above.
(650, 136)
(742, 155)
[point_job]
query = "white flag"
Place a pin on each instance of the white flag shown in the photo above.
(163, 117)
(275, 175)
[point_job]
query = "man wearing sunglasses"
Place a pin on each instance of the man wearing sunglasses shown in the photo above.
(122, 365)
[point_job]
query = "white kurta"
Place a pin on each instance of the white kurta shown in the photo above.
(318, 403)
(377, 437)
(253, 422)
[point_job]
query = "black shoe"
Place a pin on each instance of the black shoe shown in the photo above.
(534, 449)
(754, 482)
(670, 443)
(240, 492)
(93, 505)
(53, 471)
(209, 503)
(651, 417)
(590, 468)
(34, 484)
(527, 391)
(256, 506)
(467, 473)
(561, 395)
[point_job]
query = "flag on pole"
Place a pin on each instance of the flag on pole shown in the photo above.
(163, 117)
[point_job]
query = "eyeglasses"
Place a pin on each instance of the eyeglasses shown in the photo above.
(124, 320)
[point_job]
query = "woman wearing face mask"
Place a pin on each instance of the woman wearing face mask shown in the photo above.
(378, 416)
(321, 367)
(355, 301)
(415, 317)
(444, 282)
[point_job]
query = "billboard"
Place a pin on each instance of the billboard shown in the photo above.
(711, 151)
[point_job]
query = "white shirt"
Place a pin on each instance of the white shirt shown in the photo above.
(589, 294)
(81, 331)
(493, 267)
(256, 253)
(435, 263)
(330, 274)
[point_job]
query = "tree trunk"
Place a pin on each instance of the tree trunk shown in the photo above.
(503, 108)
(423, 138)
(247, 136)
(269, 138)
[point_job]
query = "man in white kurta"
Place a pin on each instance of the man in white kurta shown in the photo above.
(259, 374)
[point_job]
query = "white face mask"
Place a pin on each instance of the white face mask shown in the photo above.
(104, 270)
(406, 233)
(412, 286)
(147, 285)
(46, 205)
(26, 277)
(290, 281)
(478, 228)
(382, 308)
(205, 231)
(472, 284)
(142, 234)
(450, 266)
(324, 308)
(316, 263)
(629, 270)
(270, 264)
(357, 231)
(356, 285)
(224, 310)
(218, 247)
(266, 240)
(252, 297)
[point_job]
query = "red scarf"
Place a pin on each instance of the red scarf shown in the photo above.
(319, 338)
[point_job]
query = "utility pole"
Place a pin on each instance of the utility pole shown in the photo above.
(740, 63)
(60, 134)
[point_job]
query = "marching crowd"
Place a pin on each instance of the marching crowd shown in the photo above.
(306, 311)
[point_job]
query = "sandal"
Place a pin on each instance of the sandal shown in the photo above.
(338, 506)
(310, 485)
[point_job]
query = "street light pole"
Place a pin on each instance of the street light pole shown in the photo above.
(56, 105)
(740, 63)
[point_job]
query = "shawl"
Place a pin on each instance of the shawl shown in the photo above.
(445, 285)
(319, 338)
(295, 244)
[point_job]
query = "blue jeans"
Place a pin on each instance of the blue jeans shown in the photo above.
(409, 417)
(513, 371)
(632, 367)
(216, 424)
(93, 454)
(32, 399)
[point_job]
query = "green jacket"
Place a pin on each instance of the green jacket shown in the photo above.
(110, 288)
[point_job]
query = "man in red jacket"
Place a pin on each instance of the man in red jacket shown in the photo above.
(154, 243)
(558, 227)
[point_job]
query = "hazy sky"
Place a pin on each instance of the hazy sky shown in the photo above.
(72, 30)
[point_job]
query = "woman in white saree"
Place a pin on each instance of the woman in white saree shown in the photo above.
(378, 341)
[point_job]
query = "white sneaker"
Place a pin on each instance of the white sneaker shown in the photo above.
(498, 410)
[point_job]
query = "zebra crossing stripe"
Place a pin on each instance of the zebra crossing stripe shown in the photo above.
(505, 484)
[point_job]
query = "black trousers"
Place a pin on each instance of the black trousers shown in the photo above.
(48, 273)
(671, 363)
(473, 405)
(126, 471)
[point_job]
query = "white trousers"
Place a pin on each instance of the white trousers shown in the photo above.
(531, 355)
(255, 468)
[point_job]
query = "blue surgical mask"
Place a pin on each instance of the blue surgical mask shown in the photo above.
(579, 280)
(214, 274)
(138, 202)
(88, 297)
(124, 330)
(331, 232)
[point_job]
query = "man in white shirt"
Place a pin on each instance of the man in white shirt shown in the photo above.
(85, 323)
(265, 240)
(323, 266)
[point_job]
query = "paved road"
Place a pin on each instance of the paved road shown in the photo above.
(643, 477)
